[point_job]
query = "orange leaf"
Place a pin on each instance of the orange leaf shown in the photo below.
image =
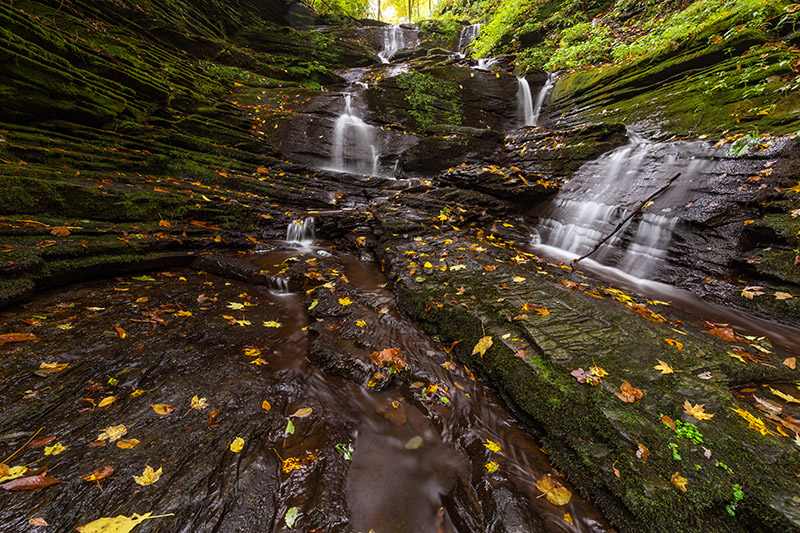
(554, 491)
(725, 334)
(162, 408)
(676, 344)
(697, 411)
(98, 474)
(60, 231)
(17, 337)
(120, 331)
(628, 393)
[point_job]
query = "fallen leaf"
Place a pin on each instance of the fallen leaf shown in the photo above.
(17, 337)
(108, 400)
(678, 481)
(118, 524)
(60, 231)
(791, 362)
(40, 481)
(127, 444)
(705, 375)
(414, 443)
(673, 342)
(38, 521)
(265, 405)
(753, 422)
(554, 491)
(237, 444)
(663, 367)
(8, 473)
(272, 324)
(389, 357)
(112, 433)
(149, 476)
(643, 452)
(298, 463)
(98, 474)
(667, 421)
(568, 519)
(786, 397)
(291, 517)
(162, 408)
(55, 449)
(750, 292)
(615, 469)
(289, 427)
(597, 372)
(345, 301)
(120, 331)
(491, 466)
(45, 369)
(198, 403)
(493, 446)
(41, 442)
(783, 295)
(483, 344)
(236, 306)
(303, 412)
(725, 334)
(628, 393)
(697, 411)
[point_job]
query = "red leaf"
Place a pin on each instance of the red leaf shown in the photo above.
(31, 483)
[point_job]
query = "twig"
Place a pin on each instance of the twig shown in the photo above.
(16, 452)
(625, 220)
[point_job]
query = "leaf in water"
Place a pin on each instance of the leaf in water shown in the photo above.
(291, 517)
(237, 444)
(162, 408)
(40, 481)
(697, 411)
(628, 393)
(265, 405)
(389, 357)
(98, 474)
(127, 444)
(118, 524)
(303, 412)
(17, 337)
(108, 400)
(491, 466)
(289, 427)
(414, 443)
(55, 449)
(483, 344)
(112, 433)
(568, 519)
(272, 324)
(663, 367)
(674, 343)
(198, 403)
(8, 473)
(298, 463)
(554, 491)
(678, 481)
(149, 476)
(493, 446)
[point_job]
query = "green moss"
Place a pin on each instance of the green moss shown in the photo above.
(432, 101)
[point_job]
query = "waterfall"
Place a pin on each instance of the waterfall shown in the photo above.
(485, 62)
(395, 38)
(527, 111)
(604, 192)
(468, 34)
(353, 143)
(301, 231)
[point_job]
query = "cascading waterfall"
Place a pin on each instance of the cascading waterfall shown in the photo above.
(468, 34)
(301, 231)
(527, 111)
(604, 192)
(353, 143)
(485, 62)
(395, 38)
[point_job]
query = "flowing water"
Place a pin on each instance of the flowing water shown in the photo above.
(301, 231)
(354, 147)
(395, 38)
(468, 34)
(528, 112)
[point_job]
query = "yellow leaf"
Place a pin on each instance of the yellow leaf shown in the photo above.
(7, 474)
(272, 324)
(149, 476)
(678, 481)
(491, 466)
(361, 323)
(183, 313)
(112, 433)
(142, 300)
(427, 264)
(568, 519)
(493, 446)
(554, 491)
(597, 371)
(118, 524)
(783, 295)
(791, 362)
(697, 411)
(483, 344)
(265, 405)
(663, 367)
(198, 403)
(162, 408)
(235, 306)
(237, 444)
(55, 449)
(754, 422)
(345, 301)
(137, 392)
(787, 397)
(108, 400)
(127, 444)
(518, 279)
(674, 343)
(303, 412)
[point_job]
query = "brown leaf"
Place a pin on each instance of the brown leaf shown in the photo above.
(40, 481)
(60, 231)
(678, 481)
(554, 491)
(162, 408)
(697, 411)
(303, 412)
(99, 473)
(791, 362)
(38, 521)
(212, 416)
(40, 442)
(17, 337)
(725, 334)
(389, 357)
(643, 452)
(667, 421)
(628, 393)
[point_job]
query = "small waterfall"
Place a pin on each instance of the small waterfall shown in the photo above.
(527, 111)
(278, 285)
(485, 62)
(301, 231)
(395, 38)
(468, 34)
(353, 143)
(604, 192)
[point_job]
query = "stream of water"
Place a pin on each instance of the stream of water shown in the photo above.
(354, 147)
(528, 112)
(395, 38)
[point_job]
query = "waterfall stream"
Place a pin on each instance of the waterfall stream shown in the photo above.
(301, 231)
(468, 34)
(395, 38)
(527, 111)
(353, 145)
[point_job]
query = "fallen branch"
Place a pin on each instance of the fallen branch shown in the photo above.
(625, 220)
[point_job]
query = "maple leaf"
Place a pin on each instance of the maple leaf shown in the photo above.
(491, 466)
(389, 357)
(483, 344)
(492, 446)
(272, 324)
(345, 301)
(112, 433)
(628, 393)
(663, 367)
(117, 524)
(697, 411)
(98, 474)
(198, 403)
(149, 476)
(678, 481)
(750, 292)
(162, 408)
(55, 449)
(237, 444)
(554, 491)
(303, 412)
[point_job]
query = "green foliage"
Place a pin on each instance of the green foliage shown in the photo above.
(432, 101)
(346, 8)
(742, 144)
(674, 448)
(582, 44)
(738, 495)
(687, 430)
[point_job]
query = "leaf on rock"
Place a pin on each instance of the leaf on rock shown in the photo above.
(493, 446)
(786, 397)
(389, 357)
(118, 524)
(149, 476)
(750, 292)
(345, 301)
(127, 444)
(272, 324)
(162, 408)
(289, 427)
(491, 466)
(236, 306)
(725, 334)
(791, 362)
(663, 367)
(38, 522)
(17, 337)
(303, 412)
(483, 344)
(237, 444)
(291, 517)
(8, 473)
(60, 231)
(55, 449)
(554, 491)
(628, 393)
(643, 452)
(112, 433)
(667, 421)
(754, 422)
(120, 331)
(674, 343)
(45, 369)
(678, 481)
(697, 411)
(108, 400)
(37, 482)
(265, 405)
(585, 377)
(98, 474)
(597, 372)
(198, 403)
